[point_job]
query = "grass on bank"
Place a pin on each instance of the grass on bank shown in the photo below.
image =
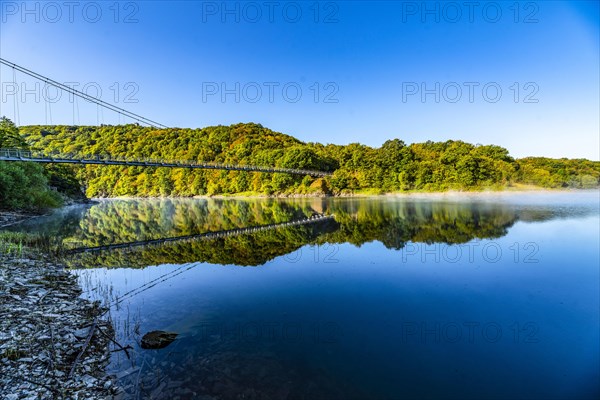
(21, 244)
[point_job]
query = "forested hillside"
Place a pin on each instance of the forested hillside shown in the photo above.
(395, 166)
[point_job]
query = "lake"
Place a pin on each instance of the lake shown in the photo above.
(489, 296)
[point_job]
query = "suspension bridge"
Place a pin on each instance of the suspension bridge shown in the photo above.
(16, 155)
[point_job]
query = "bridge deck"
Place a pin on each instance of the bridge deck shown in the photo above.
(13, 155)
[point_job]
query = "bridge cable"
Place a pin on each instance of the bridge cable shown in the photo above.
(47, 104)
(77, 107)
(73, 102)
(49, 107)
(85, 96)
(16, 112)
(45, 110)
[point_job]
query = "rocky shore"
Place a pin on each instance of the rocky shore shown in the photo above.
(53, 344)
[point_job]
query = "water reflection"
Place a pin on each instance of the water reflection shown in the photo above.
(137, 233)
(344, 308)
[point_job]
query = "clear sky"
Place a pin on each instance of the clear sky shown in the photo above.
(523, 75)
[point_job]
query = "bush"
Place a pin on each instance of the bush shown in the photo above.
(23, 186)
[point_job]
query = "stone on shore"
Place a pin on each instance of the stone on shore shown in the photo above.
(42, 324)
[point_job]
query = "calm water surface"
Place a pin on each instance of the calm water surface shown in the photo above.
(487, 297)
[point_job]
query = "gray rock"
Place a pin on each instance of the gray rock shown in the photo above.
(81, 333)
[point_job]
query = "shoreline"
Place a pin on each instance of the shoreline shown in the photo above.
(53, 343)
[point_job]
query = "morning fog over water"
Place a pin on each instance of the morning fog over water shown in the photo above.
(462, 296)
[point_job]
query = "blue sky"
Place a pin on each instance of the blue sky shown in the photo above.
(521, 75)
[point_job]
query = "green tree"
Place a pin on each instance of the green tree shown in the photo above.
(23, 186)
(9, 135)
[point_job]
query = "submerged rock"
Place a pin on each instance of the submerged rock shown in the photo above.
(157, 339)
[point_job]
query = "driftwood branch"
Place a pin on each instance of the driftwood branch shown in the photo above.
(44, 296)
(85, 346)
(116, 343)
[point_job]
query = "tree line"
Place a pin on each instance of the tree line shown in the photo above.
(357, 168)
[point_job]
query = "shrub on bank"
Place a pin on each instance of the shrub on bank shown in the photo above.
(24, 186)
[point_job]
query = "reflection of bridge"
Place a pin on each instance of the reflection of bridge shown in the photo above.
(206, 235)
(22, 155)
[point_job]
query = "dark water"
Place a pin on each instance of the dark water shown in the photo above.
(487, 297)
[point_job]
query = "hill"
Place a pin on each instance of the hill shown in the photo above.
(395, 166)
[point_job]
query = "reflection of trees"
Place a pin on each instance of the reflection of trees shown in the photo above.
(357, 221)
(131, 220)
(394, 224)
(246, 250)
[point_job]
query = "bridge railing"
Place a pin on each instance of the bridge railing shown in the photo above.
(10, 153)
